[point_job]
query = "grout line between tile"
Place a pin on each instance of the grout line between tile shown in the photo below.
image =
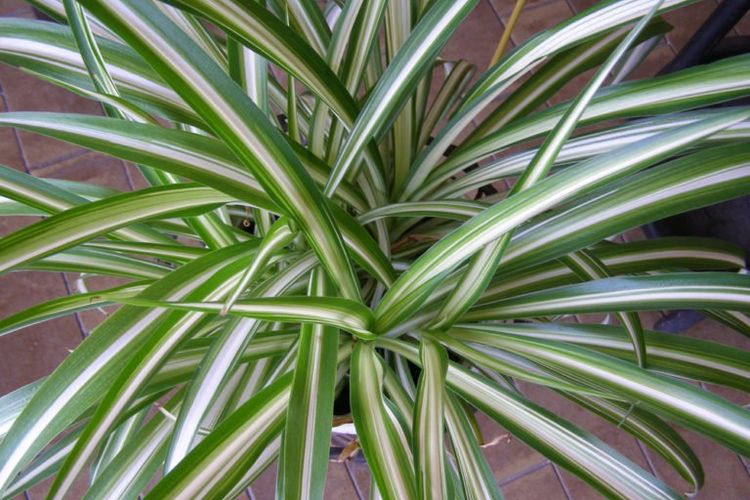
(128, 177)
(497, 13)
(560, 479)
(60, 159)
(745, 464)
(21, 151)
(17, 137)
(525, 472)
(647, 458)
(357, 489)
(79, 321)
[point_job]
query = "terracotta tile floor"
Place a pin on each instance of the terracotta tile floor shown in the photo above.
(520, 471)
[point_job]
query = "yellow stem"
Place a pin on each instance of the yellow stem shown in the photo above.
(508, 31)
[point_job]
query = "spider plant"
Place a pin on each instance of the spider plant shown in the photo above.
(356, 252)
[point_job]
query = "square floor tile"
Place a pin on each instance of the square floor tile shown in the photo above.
(24, 92)
(90, 168)
(36, 350)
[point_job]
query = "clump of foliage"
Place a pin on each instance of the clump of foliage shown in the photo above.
(271, 267)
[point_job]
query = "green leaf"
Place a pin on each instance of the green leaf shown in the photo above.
(359, 20)
(383, 103)
(64, 306)
(223, 457)
(91, 368)
(556, 73)
(202, 159)
(588, 267)
(426, 272)
(584, 147)
(476, 476)
(389, 462)
(217, 365)
(253, 25)
(687, 89)
(683, 403)
(457, 79)
(310, 20)
(175, 253)
(238, 122)
(131, 470)
(278, 236)
(181, 366)
(698, 180)
(43, 466)
(682, 356)
(341, 313)
(578, 451)
(13, 403)
(90, 52)
(307, 435)
(634, 293)
(651, 430)
(161, 342)
(50, 198)
(91, 261)
(659, 254)
(85, 222)
(51, 50)
(600, 19)
(429, 449)
(196, 156)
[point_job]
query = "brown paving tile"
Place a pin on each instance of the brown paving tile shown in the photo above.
(26, 93)
(505, 7)
(653, 63)
(594, 318)
(14, 8)
(649, 319)
(538, 18)
(360, 474)
(14, 223)
(476, 39)
(735, 396)
(573, 88)
(540, 484)
(136, 178)
(710, 330)
(92, 168)
(10, 153)
(581, 5)
(686, 20)
(338, 484)
(635, 234)
(264, 488)
(508, 456)
(37, 350)
(743, 26)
